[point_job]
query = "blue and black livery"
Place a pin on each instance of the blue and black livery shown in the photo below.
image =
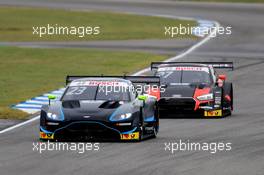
(85, 112)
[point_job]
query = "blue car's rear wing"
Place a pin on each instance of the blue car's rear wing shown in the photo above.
(216, 65)
(133, 79)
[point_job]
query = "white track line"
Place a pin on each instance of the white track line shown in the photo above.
(20, 124)
(207, 38)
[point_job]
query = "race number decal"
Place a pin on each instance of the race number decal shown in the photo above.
(76, 90)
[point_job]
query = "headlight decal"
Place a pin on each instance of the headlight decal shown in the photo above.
(51, 115)
(56, 117)
(199, 92)
(125, 116)
(121, 113)
(120, 117)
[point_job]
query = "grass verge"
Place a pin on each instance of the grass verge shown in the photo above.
(18, 23)
(28, 72)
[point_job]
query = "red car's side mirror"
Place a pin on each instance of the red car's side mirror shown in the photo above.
(222, 77)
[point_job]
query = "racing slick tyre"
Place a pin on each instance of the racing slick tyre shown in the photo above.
(156, 126)
(227, 98)
(155, 132)
(141, 136)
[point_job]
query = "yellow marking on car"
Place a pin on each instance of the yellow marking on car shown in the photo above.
(132, 136)
(215, 113)
(43, 135)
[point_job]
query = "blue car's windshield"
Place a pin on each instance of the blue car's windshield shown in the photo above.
(96, 92)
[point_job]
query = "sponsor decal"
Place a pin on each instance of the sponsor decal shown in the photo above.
(216, 113)
(186, 68)
(131, 136)
(98, 83)
(43, 135)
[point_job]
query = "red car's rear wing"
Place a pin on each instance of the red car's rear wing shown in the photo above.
(216, 65)
(133, 79)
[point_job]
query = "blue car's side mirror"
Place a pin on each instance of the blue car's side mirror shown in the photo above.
(51, 97)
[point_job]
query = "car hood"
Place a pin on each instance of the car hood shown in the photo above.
(86, 110)
(181, 90)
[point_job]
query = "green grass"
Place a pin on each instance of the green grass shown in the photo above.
(17, 22)
(28, 72)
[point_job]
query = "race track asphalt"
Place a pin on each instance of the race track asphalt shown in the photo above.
(244, 129)
(168, 47)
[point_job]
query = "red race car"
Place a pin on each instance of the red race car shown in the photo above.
(194, 88)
